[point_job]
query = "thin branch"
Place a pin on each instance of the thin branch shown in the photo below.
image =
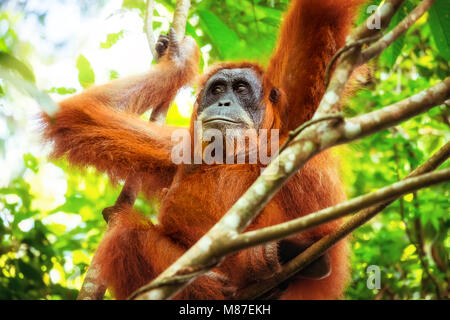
(180, 17)
(357, 43)
(378, 47)
(148, 27)
(286, 229)
(93, 287)
(179, 24)
(351, 57)
(321, 246)
(179, 21)
(417, 244)
(384, 14)
(293, 134)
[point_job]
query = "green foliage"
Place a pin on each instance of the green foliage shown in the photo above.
(113, 74)
(391, 54)
(225, 40)
(111, 40)
(440, 26)
(86, 75)
(9, 62)
(134, 4)
(62, 90)
(390, 241)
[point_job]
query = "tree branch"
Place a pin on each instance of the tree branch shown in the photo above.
(351, 56)
(308, 143)
(378, 47)
(321, 246)
(384, 13)
(286, 229)
(93, 287)
(417, 244)
(148, 28)
(180, 17)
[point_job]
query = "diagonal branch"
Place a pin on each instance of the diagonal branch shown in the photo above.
(388, 39)
(321, 246)
(180, 17)
(286, 229)
(311, 141)
(148, 28)
(351, 56)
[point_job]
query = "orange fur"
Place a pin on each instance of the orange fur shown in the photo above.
(134, 250)
(312, 33)
(100, 127)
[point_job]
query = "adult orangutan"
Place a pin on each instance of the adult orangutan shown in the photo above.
(101, 127)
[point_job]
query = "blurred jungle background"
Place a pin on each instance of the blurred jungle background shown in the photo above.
(50, 213)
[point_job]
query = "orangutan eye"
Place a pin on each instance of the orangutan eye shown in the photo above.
(217, 89)
(241, 88)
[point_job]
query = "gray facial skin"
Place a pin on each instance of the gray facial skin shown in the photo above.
(232, 100)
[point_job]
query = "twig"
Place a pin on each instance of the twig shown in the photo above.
(179, 21)
(347, 47)
(286, 229)
(416, 244)
(351, 58)
(376, 48)
(293, 134)
(148, 27)
(384, 13)
(180, 17)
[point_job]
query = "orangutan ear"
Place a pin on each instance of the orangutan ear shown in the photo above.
(274, 95)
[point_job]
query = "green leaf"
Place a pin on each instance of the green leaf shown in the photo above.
(28, 87)
(111, 39)
(390, 55)
(223, 38)
(113, 74)
(62, 90)
(86, 75)
(134, 4)
(31, 162)
(9, 62)
(440, 26)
